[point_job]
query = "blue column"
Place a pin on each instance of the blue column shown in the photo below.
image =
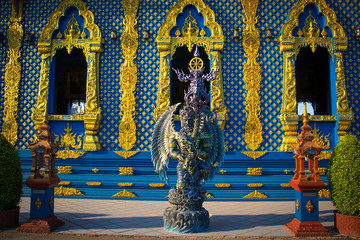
(307, 206)
(42, 203)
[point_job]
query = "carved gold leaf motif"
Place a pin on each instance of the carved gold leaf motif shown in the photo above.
(252, 75)
(254, 155)
(125, 184)
(62, 191)
(66, 154)
(128, 76)
(125, 193)
(254, 171)
(126, 154)
(68, 139)
(12, 78)
(255, 185)
(256, 194)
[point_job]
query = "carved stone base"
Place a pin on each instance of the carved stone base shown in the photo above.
(307, 229)
(34, 225)
(185, 215)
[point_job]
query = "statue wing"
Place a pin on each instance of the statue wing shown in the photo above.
(217, 152)
(160, 153)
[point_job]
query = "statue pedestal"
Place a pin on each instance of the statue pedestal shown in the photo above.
(185, 215)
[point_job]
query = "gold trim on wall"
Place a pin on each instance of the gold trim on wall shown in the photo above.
(13, 74)
(128, 76)
(167, 46)
(252, 75)
(91, 46)
(290, 46)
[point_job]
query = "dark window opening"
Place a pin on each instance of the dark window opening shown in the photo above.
(313, 79)
(70, 82)
(181, 60)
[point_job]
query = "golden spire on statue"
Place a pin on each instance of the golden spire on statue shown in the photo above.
(306, 149)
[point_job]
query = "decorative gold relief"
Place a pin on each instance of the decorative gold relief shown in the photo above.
(322, 171)
(255, 185)
(64, 169)
(290, 45)
(125, 193)
(324, 155)
(62, 191)
(190, 35)
(286, 171)
(209, 195)
(285, 185)
(95, 170)
(252, 75)
(163, 94)
(125, 184)
(38, 204)
(324, 193)
(126, 154)
(66, 154)
(297, 205)
(254, 171)
(126, 171)
(310, 206)
(12, 76)
(312, 38)
(222, 185)
(256, 194)
(320, 139)
(222, 171)
(345, 113)
(128, 76)
(62, 183)
(254, 155)
(71, 38)
(68, 139)
(93, 183)
(158, 185)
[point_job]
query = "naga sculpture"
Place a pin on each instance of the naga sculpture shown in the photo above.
(198, 147)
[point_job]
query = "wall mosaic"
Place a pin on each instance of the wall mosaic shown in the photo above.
(348, 16)
(5, 13)
(228, 13)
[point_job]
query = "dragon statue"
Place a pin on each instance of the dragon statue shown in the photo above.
(198, 147)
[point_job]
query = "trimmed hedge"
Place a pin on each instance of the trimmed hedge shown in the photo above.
(10, 175)
(344, 176)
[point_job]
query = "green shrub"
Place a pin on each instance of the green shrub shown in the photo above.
(344, 176)
(10, 175)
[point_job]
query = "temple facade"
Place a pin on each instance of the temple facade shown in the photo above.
(102, 73)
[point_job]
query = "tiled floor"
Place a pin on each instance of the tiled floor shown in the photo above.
(144, 218)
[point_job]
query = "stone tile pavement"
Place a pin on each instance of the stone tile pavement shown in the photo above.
(144, 218)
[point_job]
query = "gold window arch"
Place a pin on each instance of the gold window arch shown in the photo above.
(90, 43)
(213, 45)
(290, 46)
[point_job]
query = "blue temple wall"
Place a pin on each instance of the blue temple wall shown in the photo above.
(151, 15)
(5, 11)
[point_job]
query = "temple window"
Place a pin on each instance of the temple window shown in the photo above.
(69, 92)
(313, 80)
(181, 59)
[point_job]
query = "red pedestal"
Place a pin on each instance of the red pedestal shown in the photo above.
(34, 225)
(307, 229)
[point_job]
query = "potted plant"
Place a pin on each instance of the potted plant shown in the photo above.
(11, 184)
(344, 185)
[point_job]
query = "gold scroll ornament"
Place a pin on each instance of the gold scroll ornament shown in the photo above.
(13, 75)
(252, 75)
(128, 76)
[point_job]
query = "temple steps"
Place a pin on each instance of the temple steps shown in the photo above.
(274, 171)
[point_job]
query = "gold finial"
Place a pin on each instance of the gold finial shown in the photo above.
(177, 33)
(323, 33)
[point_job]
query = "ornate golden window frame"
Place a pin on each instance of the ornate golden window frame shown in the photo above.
(91, 46)
(290, 46)
(213, 46)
